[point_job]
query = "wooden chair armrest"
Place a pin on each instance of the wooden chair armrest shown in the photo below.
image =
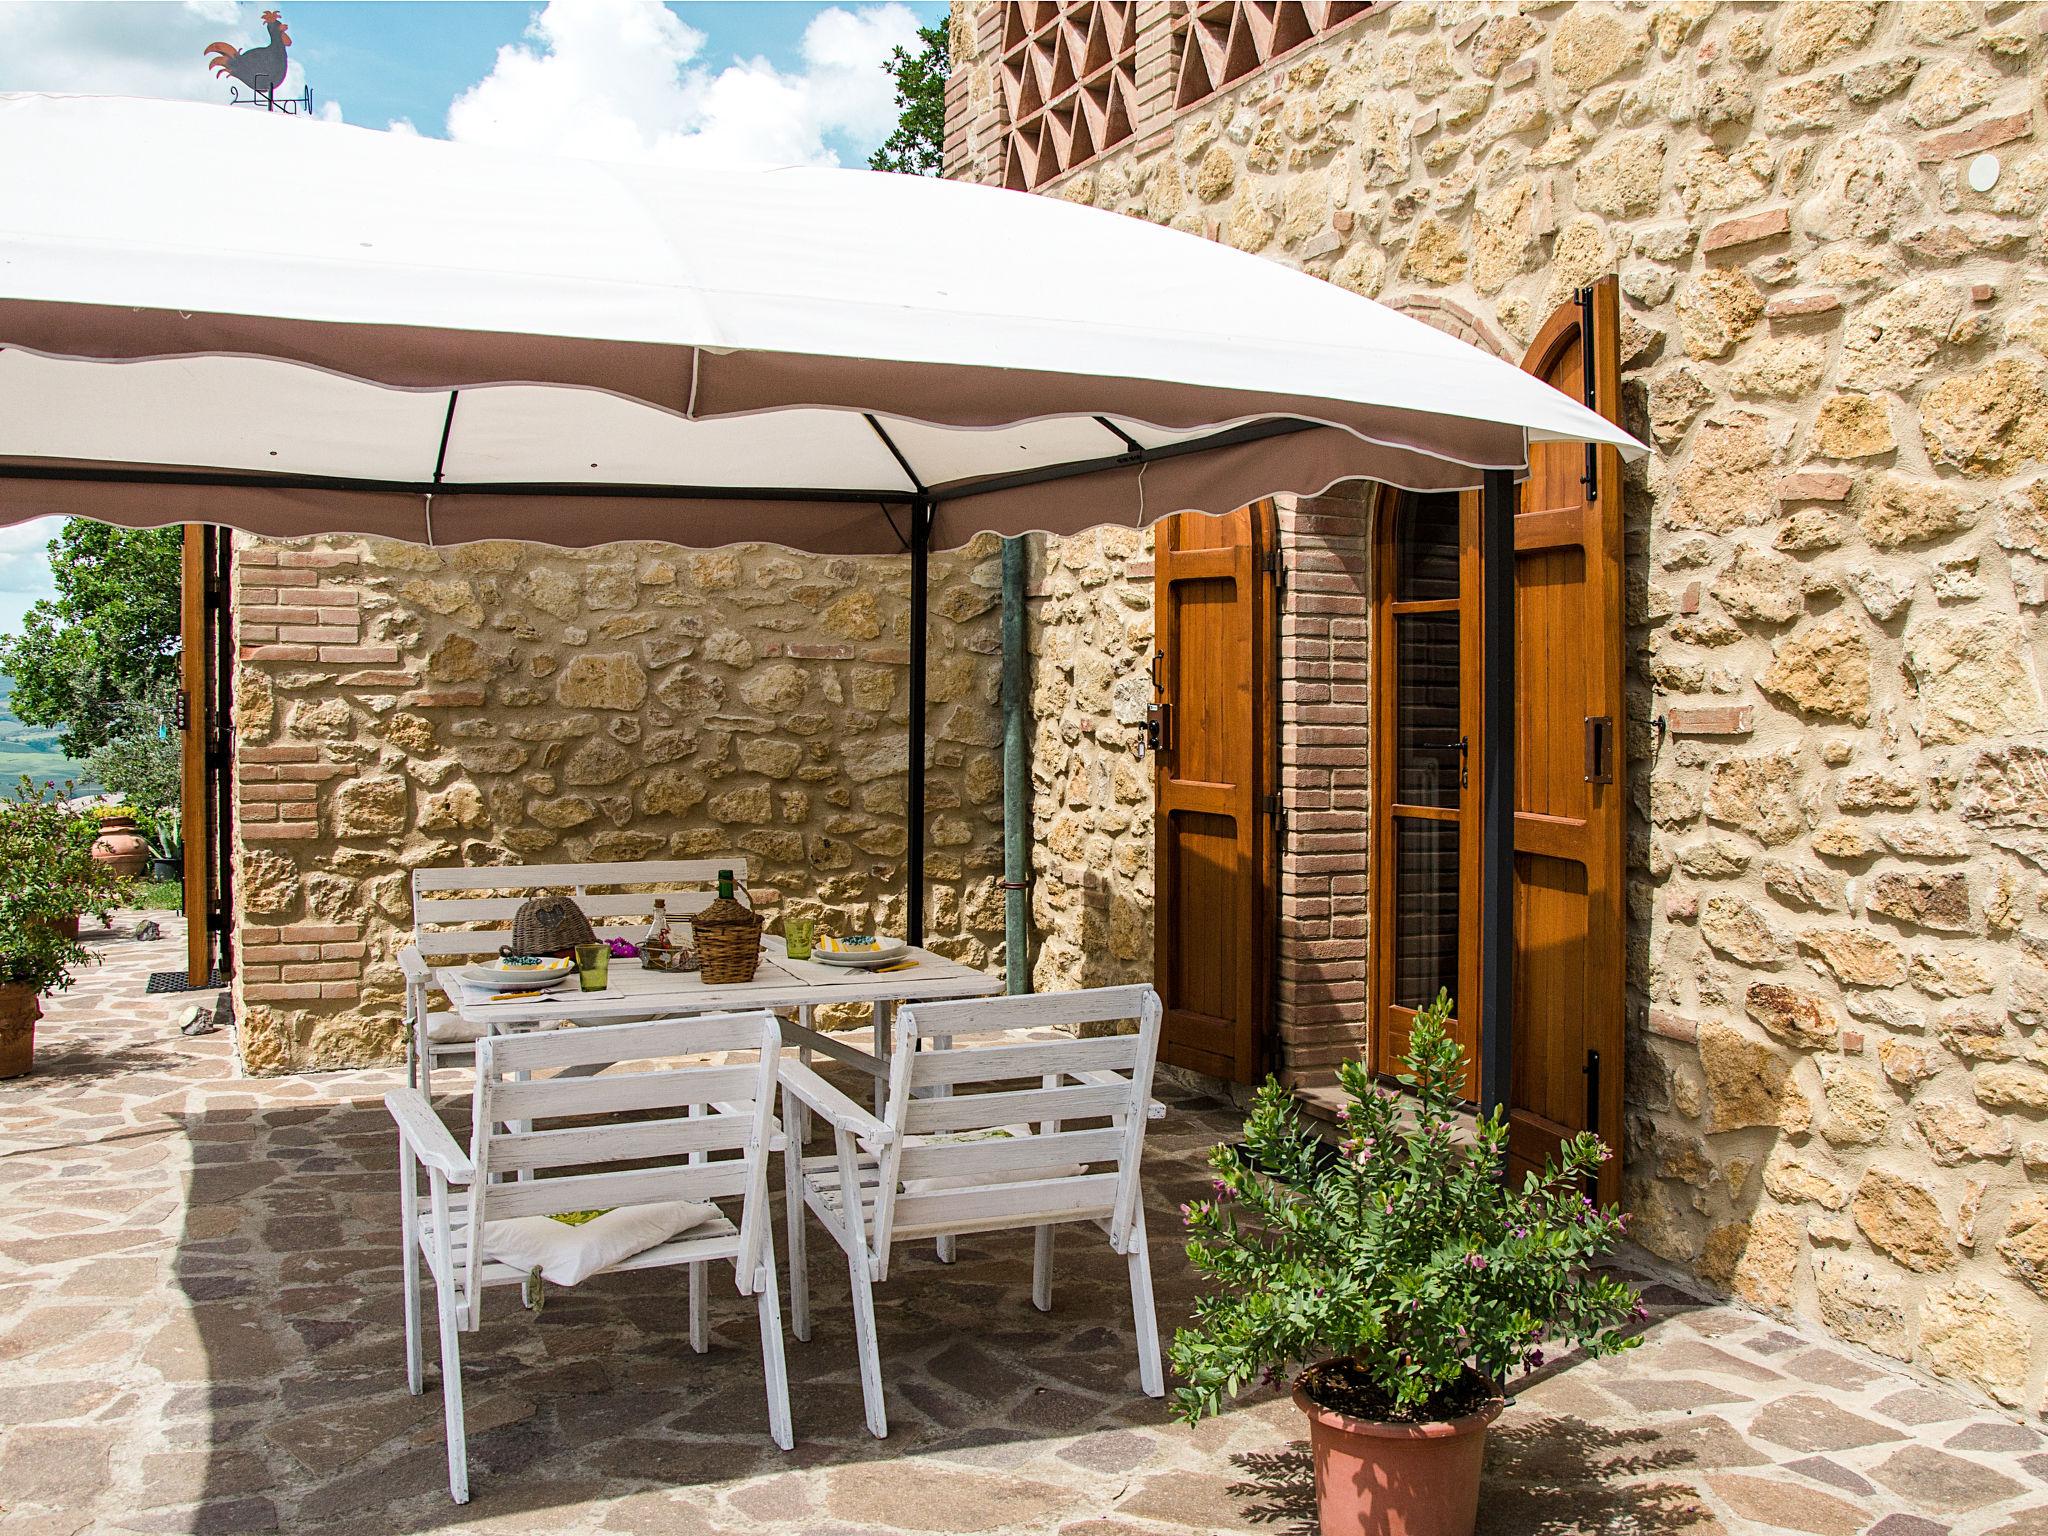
(427, 1136)
(842, 1112)
(414, 964)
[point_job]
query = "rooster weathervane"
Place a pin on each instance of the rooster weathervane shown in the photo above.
(261, 69)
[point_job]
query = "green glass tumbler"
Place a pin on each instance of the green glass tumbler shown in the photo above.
(796, 937)
(594, 966)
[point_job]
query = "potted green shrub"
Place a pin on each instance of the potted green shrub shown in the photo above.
(166, 833)
(48, 876)
(1405, 1274)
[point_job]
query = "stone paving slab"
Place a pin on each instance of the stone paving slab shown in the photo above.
(199, 1332)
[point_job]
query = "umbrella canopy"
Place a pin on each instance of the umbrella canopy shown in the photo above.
(213, 314)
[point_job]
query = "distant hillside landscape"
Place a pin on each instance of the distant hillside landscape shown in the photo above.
(33, 750)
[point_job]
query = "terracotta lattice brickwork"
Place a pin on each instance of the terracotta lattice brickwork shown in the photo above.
(1222, 41)
(1069, 81)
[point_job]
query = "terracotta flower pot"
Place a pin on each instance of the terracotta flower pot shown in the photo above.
(1380, 1479)
(120, 846)
(19, 1010)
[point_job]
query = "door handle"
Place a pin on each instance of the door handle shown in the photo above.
(1463, 746)
(1599, 749)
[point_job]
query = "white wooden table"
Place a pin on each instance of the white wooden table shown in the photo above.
(780, 984)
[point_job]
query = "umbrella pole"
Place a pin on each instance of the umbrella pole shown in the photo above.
(920, 645)
(1497, 809)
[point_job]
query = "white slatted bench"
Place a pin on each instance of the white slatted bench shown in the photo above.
(465, 914)
(929, 1167)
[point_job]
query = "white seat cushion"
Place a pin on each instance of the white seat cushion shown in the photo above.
(565, 1254)
(451, 1028)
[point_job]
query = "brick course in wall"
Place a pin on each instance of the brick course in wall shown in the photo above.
(1325, 710)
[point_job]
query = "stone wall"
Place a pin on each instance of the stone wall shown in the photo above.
(398, 706)
(1091, 794)
(1838, 559)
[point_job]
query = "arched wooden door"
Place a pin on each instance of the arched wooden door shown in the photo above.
(1570, 789)
(1566, 1035)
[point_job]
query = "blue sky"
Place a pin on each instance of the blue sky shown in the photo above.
(732, 83)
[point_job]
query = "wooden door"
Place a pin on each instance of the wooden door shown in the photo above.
(1214, 751)
(1570, 787)
(1426, 731)
(205, 684)
(193, 694)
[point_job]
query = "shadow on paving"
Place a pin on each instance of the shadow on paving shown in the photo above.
(292, 1364)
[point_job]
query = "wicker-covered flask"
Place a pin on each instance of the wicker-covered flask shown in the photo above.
(728, 934)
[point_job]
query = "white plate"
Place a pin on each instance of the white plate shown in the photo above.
(865, 960)
(514, 981)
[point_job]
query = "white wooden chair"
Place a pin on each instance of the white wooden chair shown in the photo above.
(465, 914)
(939, 1163)
(701, 1133)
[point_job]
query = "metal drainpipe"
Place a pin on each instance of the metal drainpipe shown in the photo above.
(1016, 772)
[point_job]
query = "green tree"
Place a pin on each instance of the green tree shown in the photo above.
(918, 144)
(106, 641)
(142, 759)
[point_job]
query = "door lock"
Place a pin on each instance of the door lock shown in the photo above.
(1159, 727)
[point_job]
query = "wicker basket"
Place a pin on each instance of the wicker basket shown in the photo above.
(549, 925)
(728, 937)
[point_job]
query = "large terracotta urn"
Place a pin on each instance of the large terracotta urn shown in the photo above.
(19, 1010)
(1375, 1478)
(121, 846)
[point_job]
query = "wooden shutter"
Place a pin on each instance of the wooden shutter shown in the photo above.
(1570, 786)
(1213, 757)
(194, 693)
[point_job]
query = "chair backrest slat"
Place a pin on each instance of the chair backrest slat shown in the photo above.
(623, 1093)
(627, 1186)
(630, 1141)
(1010, 1156)
(1037, 1058)
(1002, 1205)
(1037, 1010)
(604, 1044)
(983, 1111)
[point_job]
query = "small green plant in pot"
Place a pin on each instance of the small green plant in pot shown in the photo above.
(166, 833)
(48, 876)
(1407, 1277)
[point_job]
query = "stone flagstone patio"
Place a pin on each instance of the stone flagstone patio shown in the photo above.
(199, 1332)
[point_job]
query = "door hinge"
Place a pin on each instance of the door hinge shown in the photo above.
(1276, 811)
(1590, 479)
(1271, 563)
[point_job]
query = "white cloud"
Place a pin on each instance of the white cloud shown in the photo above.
(623, 79)
(25, 568)
(120, 48)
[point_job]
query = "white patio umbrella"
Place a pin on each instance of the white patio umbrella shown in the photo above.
(209, 314)
(322, 328)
